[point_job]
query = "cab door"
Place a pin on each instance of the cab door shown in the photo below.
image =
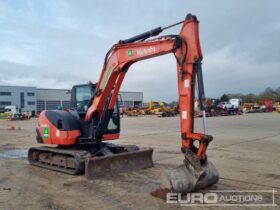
(81, 97)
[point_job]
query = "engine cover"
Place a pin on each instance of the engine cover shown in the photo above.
(57, 127)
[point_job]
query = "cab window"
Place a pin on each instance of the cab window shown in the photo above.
(114, 120)
(83, 96)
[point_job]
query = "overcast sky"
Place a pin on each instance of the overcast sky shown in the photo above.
(56, 43)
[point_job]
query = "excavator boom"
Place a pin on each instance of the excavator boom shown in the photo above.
(187, 51)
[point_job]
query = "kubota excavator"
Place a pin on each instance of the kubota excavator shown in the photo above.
(80, 133)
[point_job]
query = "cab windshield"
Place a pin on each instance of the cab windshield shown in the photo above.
(83, 96)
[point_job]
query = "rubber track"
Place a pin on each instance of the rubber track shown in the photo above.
(79, 157)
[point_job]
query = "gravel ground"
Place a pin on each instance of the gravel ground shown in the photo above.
(245, 150)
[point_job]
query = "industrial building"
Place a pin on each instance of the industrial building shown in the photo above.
(38, 99)
(24, 98)
(48, 99)
(131, 98)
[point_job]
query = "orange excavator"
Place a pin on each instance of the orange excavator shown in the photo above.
(80, 133)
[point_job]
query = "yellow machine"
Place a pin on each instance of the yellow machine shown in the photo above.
(277, 106)
(145, 111)
(132, 112)
(161, 109)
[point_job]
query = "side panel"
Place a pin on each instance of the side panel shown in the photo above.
(52, 135)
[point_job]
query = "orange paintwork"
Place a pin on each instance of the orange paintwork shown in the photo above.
(113, 136)
(56, 136)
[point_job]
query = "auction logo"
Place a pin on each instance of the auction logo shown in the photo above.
(225, 198)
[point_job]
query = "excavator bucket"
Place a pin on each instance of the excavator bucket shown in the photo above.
(111, 164)
(187, 178)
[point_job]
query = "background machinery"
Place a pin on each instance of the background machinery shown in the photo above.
(266, 105)
(277, 106)
(11, 113)
(161, 109)
(82, 131)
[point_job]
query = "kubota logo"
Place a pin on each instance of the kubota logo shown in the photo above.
(144, 51)
(46, 132)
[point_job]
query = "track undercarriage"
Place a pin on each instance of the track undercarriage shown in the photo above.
(94, 161)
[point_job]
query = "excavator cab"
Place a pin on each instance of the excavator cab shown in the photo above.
(81, 98)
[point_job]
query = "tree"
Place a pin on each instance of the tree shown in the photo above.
(278, 94)
(250, 98)
(277, 90)
(269, 93)
(224, 97)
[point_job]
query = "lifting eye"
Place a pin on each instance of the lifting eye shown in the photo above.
(59, 124)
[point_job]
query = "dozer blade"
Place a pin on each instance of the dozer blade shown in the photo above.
(187, 178)
(116, 163)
